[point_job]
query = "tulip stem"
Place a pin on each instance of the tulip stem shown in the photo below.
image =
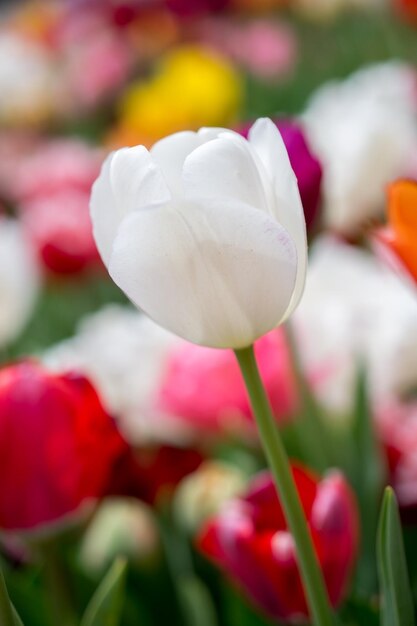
(57, 588)
(311, 574)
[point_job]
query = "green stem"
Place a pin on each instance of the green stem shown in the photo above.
(311, 574)
(6, 611)
(57, 587)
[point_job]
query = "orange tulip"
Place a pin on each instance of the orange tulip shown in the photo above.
(400, 237)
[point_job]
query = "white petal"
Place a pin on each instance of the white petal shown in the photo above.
(219, 275)
(170, 154)
(267, 141)
(136, 179)
(206, 133)
(224, 168)
(19, 280)
(129, 179)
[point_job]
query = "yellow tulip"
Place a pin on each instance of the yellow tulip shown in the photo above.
(194, 87)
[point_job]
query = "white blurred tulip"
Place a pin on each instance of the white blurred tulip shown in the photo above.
(205, 232)
(19, 281)
(28, 81)
(201, 494)
(120, 527)
(355, 310)
(364, 131)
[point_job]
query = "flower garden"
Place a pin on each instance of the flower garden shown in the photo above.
(208, 312)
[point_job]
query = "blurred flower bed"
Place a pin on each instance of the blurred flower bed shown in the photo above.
(120, 439)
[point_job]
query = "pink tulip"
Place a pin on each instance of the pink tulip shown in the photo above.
(397, 425)
(53, 188)
(203, 386)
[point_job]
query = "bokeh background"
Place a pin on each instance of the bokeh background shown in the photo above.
(79, 78)
(89, 71)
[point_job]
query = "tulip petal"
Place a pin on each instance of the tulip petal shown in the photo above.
(402, 207)
(267, 141)
(170, 154)
(129, 179)
(224, 168)
(219, 275)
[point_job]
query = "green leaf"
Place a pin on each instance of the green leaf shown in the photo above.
(367, 472)
(194, 599)
(24, 585)
(105, 607)
(197, 605)
(17, 620)
(8, 614)
(396, 600)
(357, 611)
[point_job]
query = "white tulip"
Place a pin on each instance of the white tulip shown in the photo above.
(205, 232)
(355, 310)
(364, 131)
(201, 494)
(19, 281)
(28, 80)
(120, 527)
(125, 355)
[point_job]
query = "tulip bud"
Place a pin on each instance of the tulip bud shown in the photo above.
(201, 494)
(250, 541)
(121, 527)
(205, 233)
(58, 447)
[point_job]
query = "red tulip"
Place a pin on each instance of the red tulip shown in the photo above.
(152, 472)
(58, 446)
(52, 189)
(409, 9)
(59, 229)
(193, 8)
(249, 539)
